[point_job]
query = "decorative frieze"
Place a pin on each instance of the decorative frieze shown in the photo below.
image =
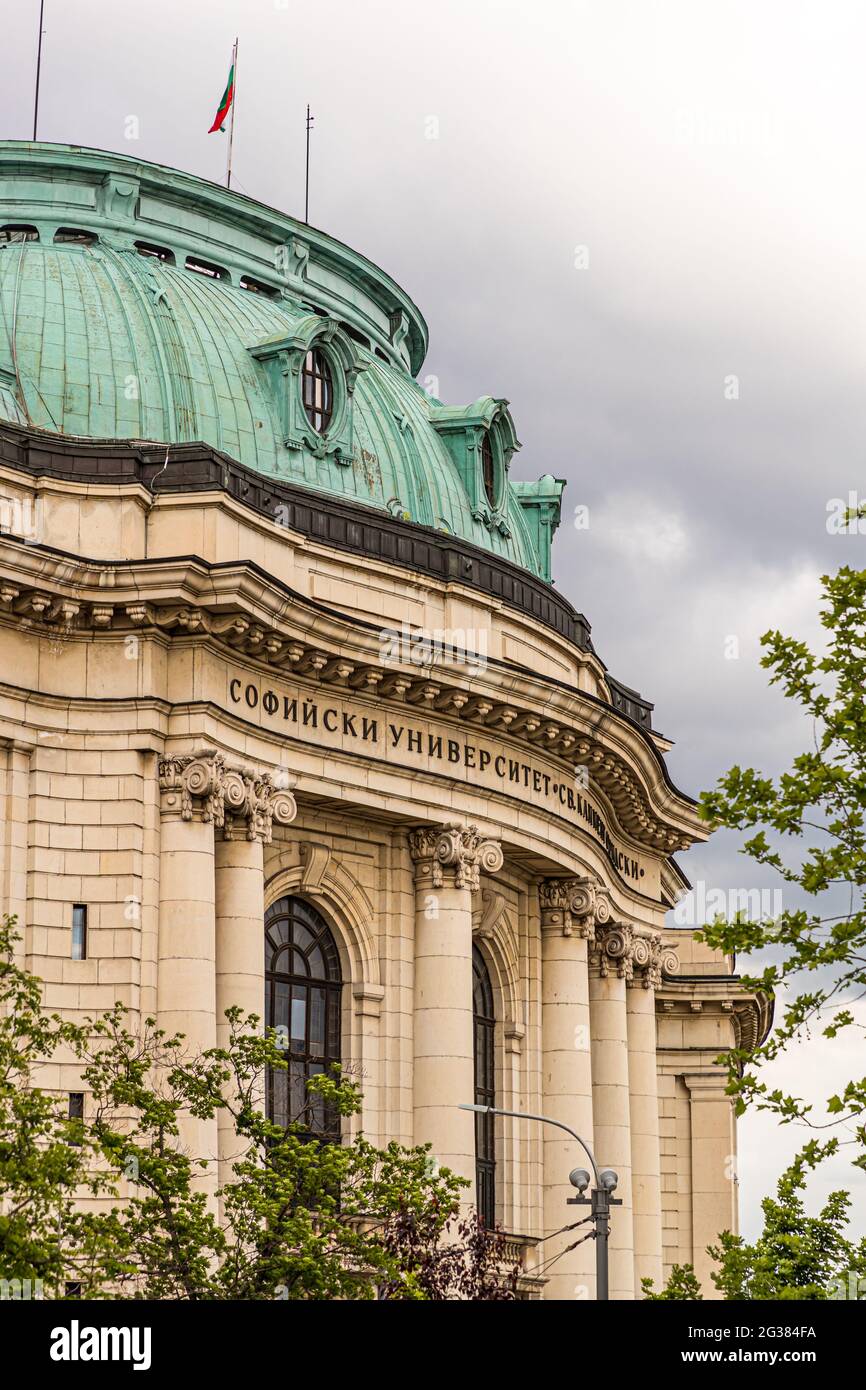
(574, 906)
(237, 800)
(189, 600)
(459, 849)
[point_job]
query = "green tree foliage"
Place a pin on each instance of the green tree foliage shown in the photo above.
(815, 812)
(796, 1256)
(299, 1219)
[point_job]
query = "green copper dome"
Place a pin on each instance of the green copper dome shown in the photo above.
(141, 303)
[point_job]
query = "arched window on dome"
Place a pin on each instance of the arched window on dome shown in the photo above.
(317, 390)
(303, 985)
(488, 468)
(484, 1020)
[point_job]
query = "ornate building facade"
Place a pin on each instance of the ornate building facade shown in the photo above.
(292, 718)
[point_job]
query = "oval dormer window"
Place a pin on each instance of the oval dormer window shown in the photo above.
(317, 390)
(488, 469)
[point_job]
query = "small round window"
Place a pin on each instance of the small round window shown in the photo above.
(488, 469)
(317, 389)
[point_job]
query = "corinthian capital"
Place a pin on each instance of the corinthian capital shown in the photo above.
(236, 799)
(252, 803)
(456, 849)
(651, 959)
(613, 950)
(574, 906)
(192, 784)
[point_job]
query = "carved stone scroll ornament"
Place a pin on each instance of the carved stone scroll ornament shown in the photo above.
(574, 906)
(613, 950)
(193, 783)
(458, 848)
(651, 960)
(253, 803)
(229, 797)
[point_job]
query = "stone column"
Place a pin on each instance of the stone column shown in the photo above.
(570, 909)
(448, 863)
(610, 968)
(713, 1155)
(191, 805)
(14, 828)
(251, 805)
(649, 960)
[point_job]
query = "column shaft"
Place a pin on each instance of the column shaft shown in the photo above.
(186, 985)
(610, 1103)
(448, 860)
(644, 1114)
(444, 1039)
(240, 954)
(567, 1096)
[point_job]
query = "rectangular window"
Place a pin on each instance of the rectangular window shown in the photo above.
(76, 1109)
(79, 932)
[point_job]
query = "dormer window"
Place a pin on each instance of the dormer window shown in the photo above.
(488, 468)
(74, 236)
(21, 232)
(317, 390)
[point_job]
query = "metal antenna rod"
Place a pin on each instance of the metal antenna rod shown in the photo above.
(38, 69)
(310, 120)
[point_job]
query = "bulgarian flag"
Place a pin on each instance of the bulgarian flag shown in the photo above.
(226, 100)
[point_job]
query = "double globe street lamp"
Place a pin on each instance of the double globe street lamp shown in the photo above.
(601, 1197)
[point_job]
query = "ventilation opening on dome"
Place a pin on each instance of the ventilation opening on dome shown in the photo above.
(75, 236)
(213, 272)
(259, 287)
(11, 233)
(159, 253)
(354, 334)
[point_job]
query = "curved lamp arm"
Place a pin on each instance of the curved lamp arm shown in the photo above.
(542, 1119)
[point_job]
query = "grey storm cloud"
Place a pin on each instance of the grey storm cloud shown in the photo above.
(607, 212)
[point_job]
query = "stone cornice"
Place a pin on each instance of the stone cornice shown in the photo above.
(751, 1015)
(237, 800)
(248, 613)
(455, 853)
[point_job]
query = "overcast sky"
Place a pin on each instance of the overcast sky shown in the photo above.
(642, 223)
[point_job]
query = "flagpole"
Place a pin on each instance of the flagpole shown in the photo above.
(310, 120)
(38, 69)
(232, 116)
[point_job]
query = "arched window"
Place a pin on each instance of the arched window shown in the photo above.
(302, 1002)
(485, 1088)
(488, 469)
(317, 389)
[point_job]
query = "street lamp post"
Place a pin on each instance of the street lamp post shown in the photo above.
(599, 1201)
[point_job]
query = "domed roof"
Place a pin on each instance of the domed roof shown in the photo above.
(140, 303)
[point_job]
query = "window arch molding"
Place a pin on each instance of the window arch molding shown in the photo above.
(494, 936)
(283, 362)
(485, 1028)
(334, 890)
(304, 1002)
